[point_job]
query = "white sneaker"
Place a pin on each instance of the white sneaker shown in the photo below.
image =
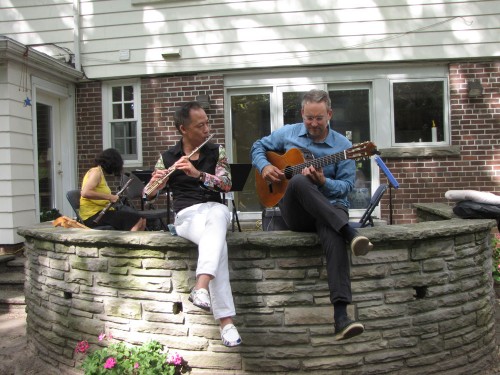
(230, 336)
(200, 298)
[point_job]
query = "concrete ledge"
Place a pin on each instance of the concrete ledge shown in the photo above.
(424, 294)
(434, 211)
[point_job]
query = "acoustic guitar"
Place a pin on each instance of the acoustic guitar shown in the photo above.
(293, 162)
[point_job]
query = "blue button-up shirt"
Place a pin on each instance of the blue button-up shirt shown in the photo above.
(339, 176)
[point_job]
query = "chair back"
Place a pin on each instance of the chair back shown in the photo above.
(73, 197)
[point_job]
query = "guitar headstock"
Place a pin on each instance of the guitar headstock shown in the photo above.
(361, 151)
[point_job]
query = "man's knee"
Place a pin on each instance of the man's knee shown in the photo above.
(298, 181)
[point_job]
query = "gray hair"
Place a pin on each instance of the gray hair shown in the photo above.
(317, 96)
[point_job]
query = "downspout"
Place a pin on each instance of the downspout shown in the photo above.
(76, 33)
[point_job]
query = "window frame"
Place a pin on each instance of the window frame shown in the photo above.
(107, 116)
(446, 111)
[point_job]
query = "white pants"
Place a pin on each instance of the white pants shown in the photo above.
(205, 224)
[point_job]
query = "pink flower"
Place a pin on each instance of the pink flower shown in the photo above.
(110, 363)
(175, 359)
(136, 365)
(82, 347)
(110, 336)
(102, 336)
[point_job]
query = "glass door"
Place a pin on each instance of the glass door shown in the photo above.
(49, 164)
(351, 117)
(256, 112)
(250, 120)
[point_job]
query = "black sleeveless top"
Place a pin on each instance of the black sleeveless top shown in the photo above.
(187, 191)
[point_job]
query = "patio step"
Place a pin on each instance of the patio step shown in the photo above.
(12, 283)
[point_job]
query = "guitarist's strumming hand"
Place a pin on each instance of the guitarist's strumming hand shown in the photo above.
(270, 173)
(316, 175)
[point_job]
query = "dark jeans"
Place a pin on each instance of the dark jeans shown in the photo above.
(305, 209)
(118, 219)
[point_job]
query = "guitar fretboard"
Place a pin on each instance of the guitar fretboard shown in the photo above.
(316, 163)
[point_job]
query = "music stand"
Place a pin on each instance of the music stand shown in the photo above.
(393, 183)
(239, 175)
(143, 175)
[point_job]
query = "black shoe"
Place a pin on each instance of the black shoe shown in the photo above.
(346, 328)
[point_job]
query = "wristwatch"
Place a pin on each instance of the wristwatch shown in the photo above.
(202, 176)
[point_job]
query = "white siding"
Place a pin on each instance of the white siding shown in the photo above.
(17, 188)
(228, 35)
(35, 22)
(222, 35)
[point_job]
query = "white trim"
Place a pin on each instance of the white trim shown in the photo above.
(49, 93)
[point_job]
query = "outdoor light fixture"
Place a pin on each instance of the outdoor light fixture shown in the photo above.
(204, 101)
(171, 52)
(474, 88)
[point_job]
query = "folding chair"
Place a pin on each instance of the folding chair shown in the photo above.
(366, 219)
(73, 197)
(154, 216)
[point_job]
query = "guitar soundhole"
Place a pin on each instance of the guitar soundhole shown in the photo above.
(288, 173)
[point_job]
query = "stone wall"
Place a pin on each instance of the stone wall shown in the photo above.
(424, 294)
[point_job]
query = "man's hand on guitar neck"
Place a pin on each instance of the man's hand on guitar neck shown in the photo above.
(272, 174)
(316, 175)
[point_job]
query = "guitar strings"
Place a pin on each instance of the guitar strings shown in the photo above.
(328, 159)
(316, 163)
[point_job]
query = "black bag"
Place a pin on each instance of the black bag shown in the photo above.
(474, 210)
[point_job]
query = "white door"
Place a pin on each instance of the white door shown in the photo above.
(54, 145)
(48, 141)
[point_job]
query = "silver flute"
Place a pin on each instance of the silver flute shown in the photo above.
(153, 185)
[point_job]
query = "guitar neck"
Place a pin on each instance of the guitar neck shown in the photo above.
(317, 163)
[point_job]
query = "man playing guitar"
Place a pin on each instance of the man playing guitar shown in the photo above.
(315, 199)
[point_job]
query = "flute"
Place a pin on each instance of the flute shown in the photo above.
(153, 185)
(108, 206)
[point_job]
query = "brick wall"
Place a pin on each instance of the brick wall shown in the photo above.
(475, 128)
(161, 96)
(89, 125)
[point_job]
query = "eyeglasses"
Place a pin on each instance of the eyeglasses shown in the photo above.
(312, 118)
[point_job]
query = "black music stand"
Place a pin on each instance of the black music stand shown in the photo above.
(239, 175)
(143, 175)
(393, 183)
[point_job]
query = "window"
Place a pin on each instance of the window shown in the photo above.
(419, 114)
(121, 120)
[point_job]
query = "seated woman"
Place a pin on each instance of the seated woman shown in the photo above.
(96, 194)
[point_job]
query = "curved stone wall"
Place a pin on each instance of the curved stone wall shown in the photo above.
(424, 294)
